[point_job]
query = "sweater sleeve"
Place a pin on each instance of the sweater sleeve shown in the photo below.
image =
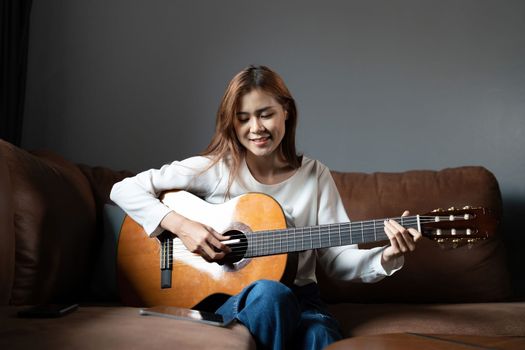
(138, 195)
(347, 262)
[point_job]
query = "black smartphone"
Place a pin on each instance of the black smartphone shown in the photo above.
(47, 310)
(180, 313)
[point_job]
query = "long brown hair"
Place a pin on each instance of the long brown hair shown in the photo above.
(224, 143)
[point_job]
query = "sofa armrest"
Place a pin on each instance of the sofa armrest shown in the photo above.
(50, 219)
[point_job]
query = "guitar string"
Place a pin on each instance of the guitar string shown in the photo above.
(268, 245)
(278, 246)
(329, 230)
(365, 227)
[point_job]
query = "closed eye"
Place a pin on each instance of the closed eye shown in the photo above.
(243, 117)
(267, 115)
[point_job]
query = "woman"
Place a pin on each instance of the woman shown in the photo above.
(253, 150)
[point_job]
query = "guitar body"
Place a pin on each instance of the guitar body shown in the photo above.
(194, 279)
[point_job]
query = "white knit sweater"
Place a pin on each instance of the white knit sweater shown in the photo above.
(309, 197)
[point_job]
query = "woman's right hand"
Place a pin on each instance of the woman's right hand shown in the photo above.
(196, 237)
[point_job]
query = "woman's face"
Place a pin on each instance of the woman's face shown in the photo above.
(260, 123)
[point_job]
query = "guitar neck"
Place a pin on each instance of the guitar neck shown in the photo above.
(262, 243)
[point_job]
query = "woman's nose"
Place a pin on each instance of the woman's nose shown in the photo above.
(256, 125)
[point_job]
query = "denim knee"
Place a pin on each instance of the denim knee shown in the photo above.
(272, 292)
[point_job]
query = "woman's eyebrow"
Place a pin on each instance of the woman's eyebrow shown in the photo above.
(257, 111)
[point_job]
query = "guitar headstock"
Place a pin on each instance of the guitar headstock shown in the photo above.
(459, 226)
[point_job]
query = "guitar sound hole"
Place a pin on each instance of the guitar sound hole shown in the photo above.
(238, 247)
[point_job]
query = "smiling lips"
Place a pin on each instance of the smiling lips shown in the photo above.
(260, 141)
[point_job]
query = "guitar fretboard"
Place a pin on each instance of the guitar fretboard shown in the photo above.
(289, 240)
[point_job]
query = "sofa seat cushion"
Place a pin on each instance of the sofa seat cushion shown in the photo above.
(489, 319)
(94, 327)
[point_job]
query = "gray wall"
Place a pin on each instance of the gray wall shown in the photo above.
(381, 85)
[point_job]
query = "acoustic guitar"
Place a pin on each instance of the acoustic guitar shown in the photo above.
(260, 244)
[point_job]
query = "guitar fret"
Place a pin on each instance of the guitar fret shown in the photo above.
(263, 245)
(295, 241)
(259, 245)
(256, 244)
(302, 240)
(285, 242)
(268, 245)
(344, 237)
(288, 242)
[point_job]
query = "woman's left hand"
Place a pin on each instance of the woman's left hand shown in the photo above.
(402, 240)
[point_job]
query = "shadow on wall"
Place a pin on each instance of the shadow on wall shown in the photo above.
(513, 234)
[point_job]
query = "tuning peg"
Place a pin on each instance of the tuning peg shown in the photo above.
(452, 208)
(438, 210)
(466, 207)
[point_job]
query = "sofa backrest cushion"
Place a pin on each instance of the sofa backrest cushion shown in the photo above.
(430, 273)
(53, 225)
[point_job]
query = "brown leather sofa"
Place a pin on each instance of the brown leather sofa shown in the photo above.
(52, 231)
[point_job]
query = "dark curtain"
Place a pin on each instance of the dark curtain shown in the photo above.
(13, 59)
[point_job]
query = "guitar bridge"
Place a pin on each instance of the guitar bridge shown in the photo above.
(166, 258)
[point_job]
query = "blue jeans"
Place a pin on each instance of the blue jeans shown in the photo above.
(279, 317)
